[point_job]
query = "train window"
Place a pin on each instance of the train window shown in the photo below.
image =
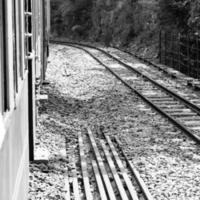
(21, 37)
(18, 51)
(1, 74)
(15, 47)
(29, 5)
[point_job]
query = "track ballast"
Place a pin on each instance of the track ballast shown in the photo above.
(181, 112)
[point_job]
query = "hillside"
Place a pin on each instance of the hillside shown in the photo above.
(132, 24)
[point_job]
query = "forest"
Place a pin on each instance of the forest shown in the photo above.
(133, 24)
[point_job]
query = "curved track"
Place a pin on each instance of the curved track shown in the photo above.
(183, 113)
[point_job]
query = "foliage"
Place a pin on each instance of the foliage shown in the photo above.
(194, 19)
(72, 15)
(123, 21)
(182, 15)
(174, 14)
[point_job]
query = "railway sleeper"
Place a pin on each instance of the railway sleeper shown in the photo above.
(189, 118)
(180, 114)
(192, 123)
(177, 110)
(161, 99)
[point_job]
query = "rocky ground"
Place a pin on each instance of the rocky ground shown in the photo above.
(82, 92)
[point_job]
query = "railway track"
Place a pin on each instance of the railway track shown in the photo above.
(115, 176)
(177, 109)
(170, 78)
(168, 71)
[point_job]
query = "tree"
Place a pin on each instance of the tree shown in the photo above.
(174, 14)
(194, 19)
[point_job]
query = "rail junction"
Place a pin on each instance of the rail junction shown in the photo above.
(114, 180)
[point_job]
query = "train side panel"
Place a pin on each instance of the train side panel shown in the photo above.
(14, 165)
(18, 65)
(42, 27)
(14, 152)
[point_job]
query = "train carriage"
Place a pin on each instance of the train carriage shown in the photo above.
(23, 58)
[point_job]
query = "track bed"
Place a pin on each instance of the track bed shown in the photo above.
(179, 108)
(82, 92)
(104, 169)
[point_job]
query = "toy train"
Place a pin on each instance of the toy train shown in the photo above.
(24, 26)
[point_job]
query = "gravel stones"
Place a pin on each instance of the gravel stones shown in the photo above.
(81, 91)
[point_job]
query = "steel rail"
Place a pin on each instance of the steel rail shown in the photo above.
(67, 187)
(101, 165)
(99, 181)
(123, 182)
(115, 175)
(135, 173)
(139, 58)
(174, 121)
(127, 180)
(86, 182)
(75, 183)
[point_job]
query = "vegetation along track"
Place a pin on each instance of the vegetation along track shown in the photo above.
(105, 167)
(182, 112)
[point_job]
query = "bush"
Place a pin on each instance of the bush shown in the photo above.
(174, 14)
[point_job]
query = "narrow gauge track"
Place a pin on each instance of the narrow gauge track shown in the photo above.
(181, 112)
(113, 179)
(173, 80)
(170, 72)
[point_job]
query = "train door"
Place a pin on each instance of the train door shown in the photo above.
(30, 63)
(13, 104)
(36, 56)
(2, 69)
(42, 14)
